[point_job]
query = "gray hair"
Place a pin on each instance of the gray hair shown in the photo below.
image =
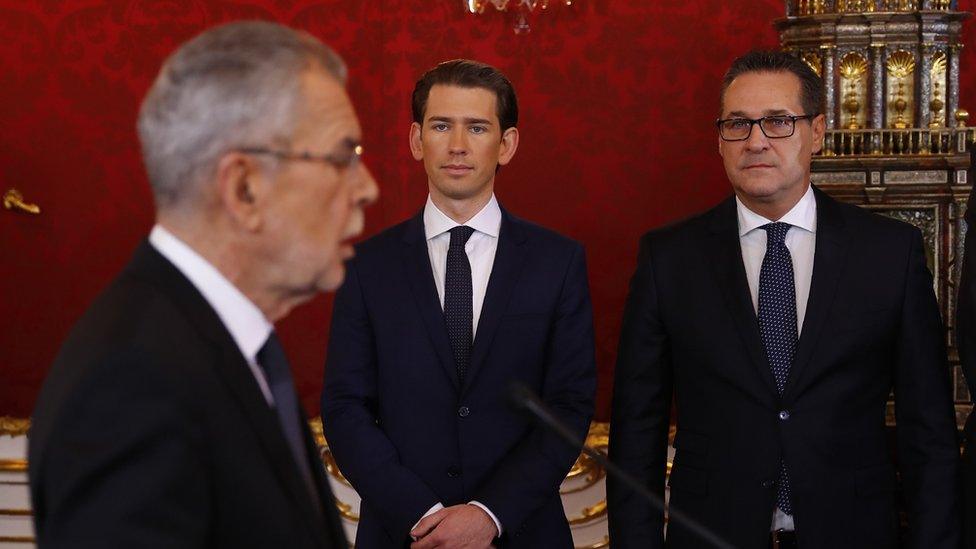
(236, 85)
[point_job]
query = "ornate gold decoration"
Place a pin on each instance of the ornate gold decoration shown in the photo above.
(901, 66)
(345, 511)
(14, 200)
(590, 513)
(936, 105)
(855, 6)
(853, 67)
(962, 115)
(13, 465)
(812, 59)
(598, 545)
(328, 460)
(598, 438)
(14, 426)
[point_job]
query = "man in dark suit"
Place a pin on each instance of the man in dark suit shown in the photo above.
(777, 324)
(169, 418)
(966, 341)
(439, 315)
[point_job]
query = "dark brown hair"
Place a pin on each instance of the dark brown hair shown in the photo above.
(466, 73)
(811, 86)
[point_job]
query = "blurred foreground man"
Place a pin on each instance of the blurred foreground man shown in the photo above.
(778, 323)
(170, 419)
(438, 316)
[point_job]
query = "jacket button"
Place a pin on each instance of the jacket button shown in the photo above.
(767, 484)
(464, 411)
(453, 471)
(784, 415)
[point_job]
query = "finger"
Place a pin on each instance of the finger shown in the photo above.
(427, 524)
(429, 542)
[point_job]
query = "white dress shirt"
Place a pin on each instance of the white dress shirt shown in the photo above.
(801, 241)
(245, 322)
(480, 248)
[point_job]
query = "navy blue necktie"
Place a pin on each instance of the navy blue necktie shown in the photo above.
(458, 297)
(273, 361)
(777, 325)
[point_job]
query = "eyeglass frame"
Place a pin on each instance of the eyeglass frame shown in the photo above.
(332, 159)
(754, 121)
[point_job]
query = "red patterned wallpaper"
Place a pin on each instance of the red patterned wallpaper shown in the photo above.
(617, 100)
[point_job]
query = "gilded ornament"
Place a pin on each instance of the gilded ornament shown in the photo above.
(14, 426)
(812, 59)
(901, 64)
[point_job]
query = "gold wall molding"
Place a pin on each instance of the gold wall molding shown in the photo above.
(14, 426)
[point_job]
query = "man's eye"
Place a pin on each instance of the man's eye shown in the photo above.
(738, 124)
(439, 127)
(777, 121)
(478, 129)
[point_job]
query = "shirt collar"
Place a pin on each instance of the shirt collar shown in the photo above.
(245, 322)
(487, 221)
(802, 215)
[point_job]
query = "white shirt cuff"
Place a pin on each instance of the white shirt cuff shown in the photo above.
(498, 525)
(437, 507)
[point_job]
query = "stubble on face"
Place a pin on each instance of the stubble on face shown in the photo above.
(769, 175)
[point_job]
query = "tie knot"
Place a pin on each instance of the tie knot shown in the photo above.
(776, 232)
(460, 236)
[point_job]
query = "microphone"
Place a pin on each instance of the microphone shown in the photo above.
(523, 399)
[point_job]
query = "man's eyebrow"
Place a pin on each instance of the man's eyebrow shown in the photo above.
(463, 120)
(767, 112)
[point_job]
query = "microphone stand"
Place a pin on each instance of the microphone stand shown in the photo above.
(523, 398)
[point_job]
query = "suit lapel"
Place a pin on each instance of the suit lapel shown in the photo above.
(725, 257)
(232, 368)
(509, 258)
(421, 278)
(828, 262)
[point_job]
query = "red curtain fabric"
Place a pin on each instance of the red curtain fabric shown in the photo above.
(617, 103)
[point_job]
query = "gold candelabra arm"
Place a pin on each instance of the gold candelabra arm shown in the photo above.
(14, 200)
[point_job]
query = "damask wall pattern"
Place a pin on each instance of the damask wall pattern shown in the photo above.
(617, 103)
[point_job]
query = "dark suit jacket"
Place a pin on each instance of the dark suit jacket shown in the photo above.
(690, 335)
(151, 431)
(966, 341)
(403, 430)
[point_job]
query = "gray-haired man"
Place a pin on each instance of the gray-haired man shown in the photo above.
(169, 417)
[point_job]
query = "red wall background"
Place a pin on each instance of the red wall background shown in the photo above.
(617, 101)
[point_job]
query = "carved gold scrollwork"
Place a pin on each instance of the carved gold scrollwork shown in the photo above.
(812, 59)
(14, 426)
(14, 200)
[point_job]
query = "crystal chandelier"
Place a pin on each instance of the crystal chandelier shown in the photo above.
(520, 9)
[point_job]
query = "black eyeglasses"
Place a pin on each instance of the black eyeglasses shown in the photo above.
(773, 127)
(339, 161)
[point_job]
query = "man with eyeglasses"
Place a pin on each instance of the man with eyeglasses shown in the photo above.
(776, 325)
(170, 418)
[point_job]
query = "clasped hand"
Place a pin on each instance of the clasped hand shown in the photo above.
(460, 526)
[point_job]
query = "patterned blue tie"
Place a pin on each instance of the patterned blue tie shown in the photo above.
(458, 297)
(777, 324)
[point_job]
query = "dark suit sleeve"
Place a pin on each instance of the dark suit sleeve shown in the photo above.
(364, 453)
(927, 450)
(641, 412)
(532, 473)
(129, 469)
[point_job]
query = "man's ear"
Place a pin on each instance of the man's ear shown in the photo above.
(819, 127)
(416, 146)
(510, 140)
(240, 185)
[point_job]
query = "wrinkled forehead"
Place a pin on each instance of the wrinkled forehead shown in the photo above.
(325, 111)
